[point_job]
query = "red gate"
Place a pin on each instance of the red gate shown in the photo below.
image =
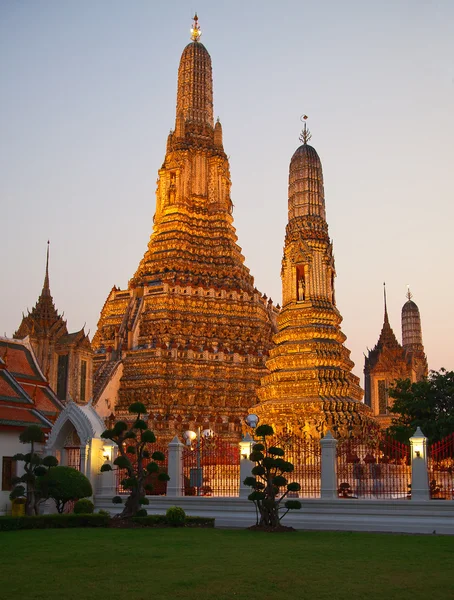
(211, 468)
(373, 469)
(305, 455)
(441, 468)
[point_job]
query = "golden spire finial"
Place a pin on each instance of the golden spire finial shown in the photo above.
(195, 31)
(409, 294)
(305, 135)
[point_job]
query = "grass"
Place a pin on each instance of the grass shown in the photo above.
(214, 564)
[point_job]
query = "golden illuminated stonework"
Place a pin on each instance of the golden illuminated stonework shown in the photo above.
(310, 388)
(190, 334)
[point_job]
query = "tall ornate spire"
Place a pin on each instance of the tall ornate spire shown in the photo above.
(387, 337)
(195, 85)
(411, 325)
(306, 196)
(310, 388)
(191, 313)
(44, 316)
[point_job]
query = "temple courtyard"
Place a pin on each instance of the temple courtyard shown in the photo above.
(223, 564)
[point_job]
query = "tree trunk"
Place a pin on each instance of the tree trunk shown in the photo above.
(30, 502)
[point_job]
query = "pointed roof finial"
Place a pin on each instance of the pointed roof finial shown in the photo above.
(305, 135)
(384, 297)
(409, 294)
(46, 288)
(195, 31)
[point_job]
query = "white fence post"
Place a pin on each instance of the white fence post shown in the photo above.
(175, 486)
(328, 467)
(419, 475)
(246, 465)
(108, 479)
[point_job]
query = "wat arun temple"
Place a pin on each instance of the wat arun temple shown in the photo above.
(191, 337)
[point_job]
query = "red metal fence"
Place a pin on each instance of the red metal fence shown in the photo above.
(211, 468)
(373, 468)
(159, 487)
(441, 468)
(305, 455)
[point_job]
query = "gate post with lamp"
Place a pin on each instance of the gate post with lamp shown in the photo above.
(419, 475)
(328, 467)
(108, 484)
(175, 486)
(246, 465)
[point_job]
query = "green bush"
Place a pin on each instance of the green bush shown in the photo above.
(64, 484)
(161, 520)
(105, 513)
(142, 512)
(199, 522)
(53, 522)
(175, 516)
(84, 507)
(150, 520)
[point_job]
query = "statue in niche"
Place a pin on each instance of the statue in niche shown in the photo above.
(301, 288)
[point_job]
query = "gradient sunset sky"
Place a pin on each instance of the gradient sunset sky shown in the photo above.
(87, 98)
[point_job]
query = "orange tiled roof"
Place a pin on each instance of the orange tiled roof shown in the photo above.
(25, 395)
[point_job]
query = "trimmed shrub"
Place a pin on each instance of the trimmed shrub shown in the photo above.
(142, 512)
(53, 522)
(199, 522)
(84, 507)
(175, 516)
(64, 484)
(150, 520)
(161, 520)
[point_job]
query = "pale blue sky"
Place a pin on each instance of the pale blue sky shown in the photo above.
(87, 97)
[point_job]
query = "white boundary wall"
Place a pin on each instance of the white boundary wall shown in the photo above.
(396, 516)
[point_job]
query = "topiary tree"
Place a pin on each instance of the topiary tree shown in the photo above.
(34, 467)
(176, 516)
(84, 506)
(133, 443)
(267, 481)
(64, 484)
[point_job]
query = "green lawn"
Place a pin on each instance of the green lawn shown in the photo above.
(199, 564)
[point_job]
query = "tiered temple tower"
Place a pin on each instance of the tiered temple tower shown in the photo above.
(310, 388)
(66, 359)
(389, 360)
(190, 334)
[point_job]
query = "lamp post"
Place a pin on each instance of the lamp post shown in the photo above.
(247, 465)
(196, 475)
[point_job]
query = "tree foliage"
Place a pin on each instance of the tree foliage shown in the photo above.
(133, 441)
(269, 482)
(35, 467)
(428, 404)
(64, 484)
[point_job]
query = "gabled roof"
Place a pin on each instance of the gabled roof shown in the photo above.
(25, 395)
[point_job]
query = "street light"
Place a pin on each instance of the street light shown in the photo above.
(196, 475)
(252, 421)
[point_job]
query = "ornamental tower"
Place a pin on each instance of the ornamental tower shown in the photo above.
(310, 388)
(64, 358)
(389, 361)
(189, 335)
